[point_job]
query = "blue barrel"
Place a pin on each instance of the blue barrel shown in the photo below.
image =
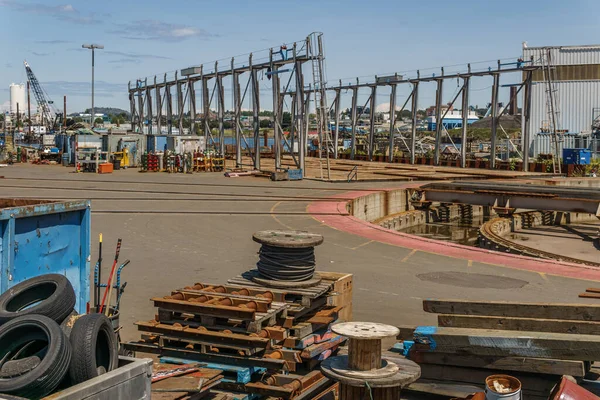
(65, 159)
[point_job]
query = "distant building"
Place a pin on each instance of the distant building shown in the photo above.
(452, 120)
(576, 79)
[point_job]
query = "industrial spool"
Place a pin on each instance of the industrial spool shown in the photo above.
(286, 258)
(364, 373)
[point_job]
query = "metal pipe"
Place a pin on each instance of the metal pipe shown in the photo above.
(192, 92)
(158, 100)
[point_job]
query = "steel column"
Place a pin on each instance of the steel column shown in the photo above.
(179, 104)
(235, 78)
(372, 121)
(140, 109)
(149, 108)
(465, 121)
(438, 121)
(392, 124)
(206, 110)
(300, 109)
(255, 113)
(169, 99)
(132, 110)
(306, 123)
(526, 128)
(494, 116)
(276, 107)
(336, 136)
(353, 115)
(192, 92)
(220, 110)
(158, 108)
(415, 118)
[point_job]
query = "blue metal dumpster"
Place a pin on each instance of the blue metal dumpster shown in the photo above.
(43, 236)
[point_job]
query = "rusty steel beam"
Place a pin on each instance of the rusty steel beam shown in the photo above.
(532, 198)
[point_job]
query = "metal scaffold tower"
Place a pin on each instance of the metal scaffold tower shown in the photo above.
(552, 107)
(317, 57)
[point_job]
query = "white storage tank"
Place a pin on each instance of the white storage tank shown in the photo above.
(17, 96)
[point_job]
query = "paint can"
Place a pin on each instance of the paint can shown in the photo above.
(506, 381)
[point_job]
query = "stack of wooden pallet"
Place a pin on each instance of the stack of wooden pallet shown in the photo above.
(254, 334)
(536, 343)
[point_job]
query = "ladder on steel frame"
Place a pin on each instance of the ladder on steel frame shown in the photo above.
(320, 99)
(552, 106)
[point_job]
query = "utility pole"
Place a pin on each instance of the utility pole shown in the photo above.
(92, 47)
(29, 108)
(65, 112)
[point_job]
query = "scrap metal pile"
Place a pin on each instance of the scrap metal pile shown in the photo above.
(267, 336)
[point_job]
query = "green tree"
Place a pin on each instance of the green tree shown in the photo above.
(98, 121)
(265, 123)
(286, 120)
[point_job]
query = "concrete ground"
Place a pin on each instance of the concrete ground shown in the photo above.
(579, 240)
(180, 229)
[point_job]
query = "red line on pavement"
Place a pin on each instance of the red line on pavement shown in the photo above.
(371, 231)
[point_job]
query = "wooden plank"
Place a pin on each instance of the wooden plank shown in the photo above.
(579, 312)
(214, 310)
(538, 385)
(589, 295)
(316, 349)
(487, 342)
(521, 364)
(193, 355)
(213, 337)
(519, 324)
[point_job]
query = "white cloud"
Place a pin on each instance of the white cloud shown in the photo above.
(157, 30)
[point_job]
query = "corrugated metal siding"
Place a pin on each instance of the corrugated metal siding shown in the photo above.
(571, 55)
(577, 100)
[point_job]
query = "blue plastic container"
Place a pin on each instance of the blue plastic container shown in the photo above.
(40, 237)
(577, 156)
(294, 174)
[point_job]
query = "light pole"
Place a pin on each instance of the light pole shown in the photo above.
(92, 47)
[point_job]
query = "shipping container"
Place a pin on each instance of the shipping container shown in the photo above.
(40, 237)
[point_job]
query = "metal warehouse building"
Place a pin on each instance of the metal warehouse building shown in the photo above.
(577, 84)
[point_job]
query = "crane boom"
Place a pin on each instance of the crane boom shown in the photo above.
(44, 103)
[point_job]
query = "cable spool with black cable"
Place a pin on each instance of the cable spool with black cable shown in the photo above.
(287, 256)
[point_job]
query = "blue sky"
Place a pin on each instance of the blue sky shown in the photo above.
(143, 38)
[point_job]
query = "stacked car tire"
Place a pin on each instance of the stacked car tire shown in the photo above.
(43, 343)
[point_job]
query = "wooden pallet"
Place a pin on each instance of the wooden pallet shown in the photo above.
(195, 355)
(170, 311)
(302, 296)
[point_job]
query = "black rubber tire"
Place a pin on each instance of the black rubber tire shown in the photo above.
(51, 295)
(4, 396)
(45, 377)
(95, 348)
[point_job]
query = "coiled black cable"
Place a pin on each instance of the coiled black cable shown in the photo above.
(285, 263)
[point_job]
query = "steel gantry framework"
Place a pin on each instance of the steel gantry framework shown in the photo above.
(154, 111)
(152, 104)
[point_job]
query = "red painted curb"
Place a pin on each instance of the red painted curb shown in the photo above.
(371, 231)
